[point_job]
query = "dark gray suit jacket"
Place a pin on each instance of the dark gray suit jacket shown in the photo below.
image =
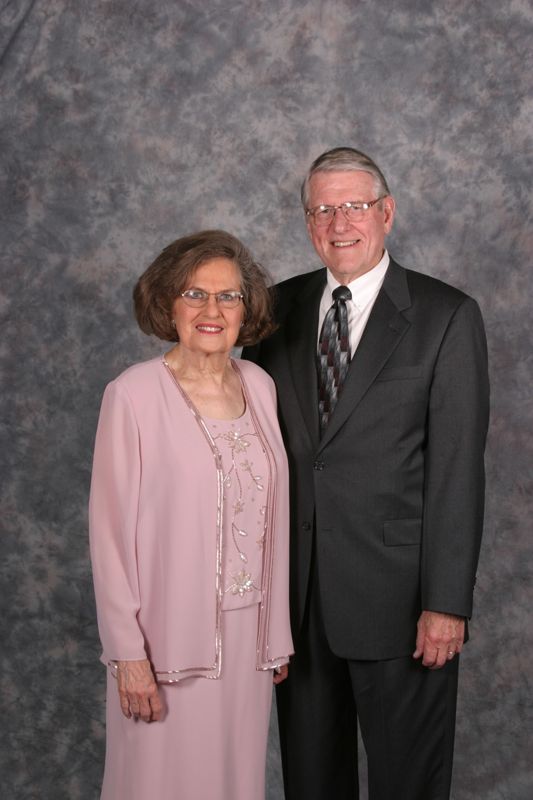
(394, 490)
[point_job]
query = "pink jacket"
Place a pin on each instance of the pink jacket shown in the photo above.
(155, 516)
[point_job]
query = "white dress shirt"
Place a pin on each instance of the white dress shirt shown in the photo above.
(364, 291)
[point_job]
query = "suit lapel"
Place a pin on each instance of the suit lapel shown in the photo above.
(385, 328)
(301, 333)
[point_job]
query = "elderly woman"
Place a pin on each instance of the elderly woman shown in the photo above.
(189, 536)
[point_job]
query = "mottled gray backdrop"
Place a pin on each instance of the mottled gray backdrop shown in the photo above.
(127, 123)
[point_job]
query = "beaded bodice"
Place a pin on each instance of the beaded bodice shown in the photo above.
(245, 512)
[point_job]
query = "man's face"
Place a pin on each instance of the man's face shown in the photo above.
(349, 249)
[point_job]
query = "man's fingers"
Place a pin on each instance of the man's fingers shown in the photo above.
(280, 674)
(442, 657)
(454, 647)
(430, 655)
(436, 643)
(420, 639)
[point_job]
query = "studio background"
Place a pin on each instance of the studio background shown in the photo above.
(128, 123)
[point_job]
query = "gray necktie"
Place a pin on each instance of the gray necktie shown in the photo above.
(333, 354)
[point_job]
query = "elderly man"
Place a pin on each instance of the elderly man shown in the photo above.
(383, 399)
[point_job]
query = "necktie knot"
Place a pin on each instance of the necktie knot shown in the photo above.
(341, 293)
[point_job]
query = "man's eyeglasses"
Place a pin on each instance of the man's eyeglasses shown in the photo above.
(197, 298)
(323, 215)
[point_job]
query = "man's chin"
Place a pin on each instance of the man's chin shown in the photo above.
(346, 273)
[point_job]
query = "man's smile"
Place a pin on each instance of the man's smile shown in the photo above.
(346, 244)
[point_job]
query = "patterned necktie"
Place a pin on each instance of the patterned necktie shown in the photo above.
(333, 354)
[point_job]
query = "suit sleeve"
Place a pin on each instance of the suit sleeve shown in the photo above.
(251, 353)
(454, 470)
(112, 527)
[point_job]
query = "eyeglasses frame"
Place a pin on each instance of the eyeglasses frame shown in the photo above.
(310, 212)
(239, 296)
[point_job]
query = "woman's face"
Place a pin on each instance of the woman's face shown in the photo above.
(211, 328)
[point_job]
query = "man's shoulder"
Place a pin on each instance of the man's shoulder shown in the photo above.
(296, 283)
(428, 287)
(291, 290)
(291, 287)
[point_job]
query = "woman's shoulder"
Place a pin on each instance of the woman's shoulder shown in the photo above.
(253, 373)
(138, 375)
(258, 382)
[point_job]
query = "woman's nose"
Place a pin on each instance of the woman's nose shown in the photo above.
(211, 307)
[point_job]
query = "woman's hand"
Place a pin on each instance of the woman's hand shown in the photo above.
(138, 692)
(280, 673)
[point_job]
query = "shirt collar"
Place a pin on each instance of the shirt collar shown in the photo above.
(365, 286)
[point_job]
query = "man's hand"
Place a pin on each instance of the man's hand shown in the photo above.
(138, 692)
(281, 673)
(439, 637)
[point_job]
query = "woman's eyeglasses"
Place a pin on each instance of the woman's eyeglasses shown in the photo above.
(197, 298)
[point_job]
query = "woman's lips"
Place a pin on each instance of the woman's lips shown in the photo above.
(209, 329)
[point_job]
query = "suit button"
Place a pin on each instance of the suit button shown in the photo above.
(318, 465)
(306, 526)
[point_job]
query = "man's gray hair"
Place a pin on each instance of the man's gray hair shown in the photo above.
(344, 159)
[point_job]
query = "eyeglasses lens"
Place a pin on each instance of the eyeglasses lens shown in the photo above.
(198, 299)
(325, 216)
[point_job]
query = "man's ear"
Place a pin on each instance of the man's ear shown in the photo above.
(389, 210)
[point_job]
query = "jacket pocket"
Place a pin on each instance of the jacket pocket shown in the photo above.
(399, 373)
(397, 532)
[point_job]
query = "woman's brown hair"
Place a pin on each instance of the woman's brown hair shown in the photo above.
(166, 277)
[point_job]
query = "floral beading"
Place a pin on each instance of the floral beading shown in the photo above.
(241, 451)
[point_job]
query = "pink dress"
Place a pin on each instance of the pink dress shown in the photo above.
(211, 743)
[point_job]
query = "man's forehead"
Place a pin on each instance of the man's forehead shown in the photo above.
(340, 179)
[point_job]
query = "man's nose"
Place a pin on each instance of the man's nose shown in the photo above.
(339, 222)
